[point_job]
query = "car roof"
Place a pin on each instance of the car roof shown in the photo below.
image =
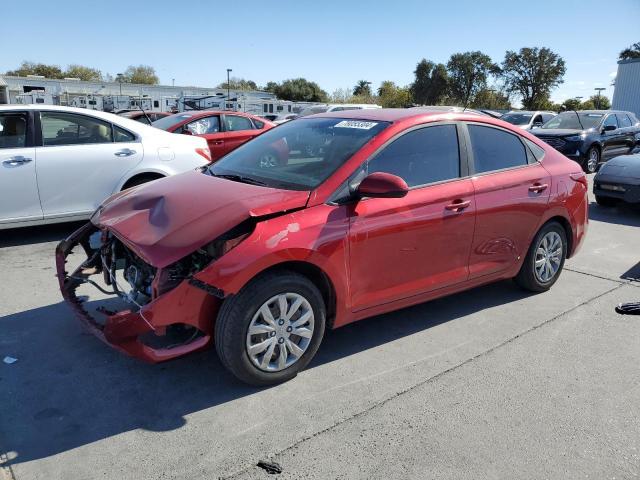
(393, 114)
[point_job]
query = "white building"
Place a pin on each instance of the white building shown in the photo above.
(626, 95)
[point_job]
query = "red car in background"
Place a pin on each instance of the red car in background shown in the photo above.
(224, 130)
(143, 117)
(364, 212)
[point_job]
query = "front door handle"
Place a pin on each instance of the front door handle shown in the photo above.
(218, 142)
(458, 205)
(538, 187)
(16, 161)
(125, 152)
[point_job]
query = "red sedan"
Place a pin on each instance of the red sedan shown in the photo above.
(224, 130)
(365, 212)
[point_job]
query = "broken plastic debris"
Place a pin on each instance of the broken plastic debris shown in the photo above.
(10, 360)
(272, 468)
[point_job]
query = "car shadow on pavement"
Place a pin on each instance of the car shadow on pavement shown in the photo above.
(622, 214)
(15, 237)
(68, 389)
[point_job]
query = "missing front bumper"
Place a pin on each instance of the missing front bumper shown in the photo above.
(126, 330)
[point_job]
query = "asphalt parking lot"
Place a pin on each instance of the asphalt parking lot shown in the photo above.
(490, 383)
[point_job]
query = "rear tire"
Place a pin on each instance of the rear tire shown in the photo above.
(257, 308)
(606, 201)
(545, 259)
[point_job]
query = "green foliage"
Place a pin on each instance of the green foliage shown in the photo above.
(299, 89)
(572, 104)
(631, 52)
(468, 75)
(431, 84)
(30, 68)
(532, 73)
(491, 100)
(239, 84)
(83, 73)
(602, 103)
(270, 87)
(362, 89)
(392, 96)
(143, 74)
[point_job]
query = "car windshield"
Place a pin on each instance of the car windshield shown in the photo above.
(313, 110)
(569, 120)
(517, 118)
(167, 122)
(297, 155)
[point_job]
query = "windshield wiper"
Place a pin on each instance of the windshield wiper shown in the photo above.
(237, 178)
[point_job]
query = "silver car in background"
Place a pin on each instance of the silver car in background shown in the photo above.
(527, 119)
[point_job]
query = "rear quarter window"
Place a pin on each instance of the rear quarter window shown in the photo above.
(495, 149)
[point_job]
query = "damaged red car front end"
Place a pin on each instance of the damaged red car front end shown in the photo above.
(138, 251)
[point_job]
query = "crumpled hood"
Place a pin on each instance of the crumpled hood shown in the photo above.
(627, 166)
(555, 132)
(168, 219)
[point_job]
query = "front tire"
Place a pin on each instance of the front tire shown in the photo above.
(545, 259)
(592, 161)
(271, 329)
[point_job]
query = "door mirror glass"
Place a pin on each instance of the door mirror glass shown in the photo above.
(382, 185)
(608, 128)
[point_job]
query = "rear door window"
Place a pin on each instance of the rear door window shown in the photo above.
(495, 149)
(70, 129)
(235, 123)
(13, 130)
(623, 120)
(422, 156)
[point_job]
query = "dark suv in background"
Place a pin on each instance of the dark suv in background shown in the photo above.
(591, 136)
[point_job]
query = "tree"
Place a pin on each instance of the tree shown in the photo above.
(301, 90)
(83, 73)
(392, 96)
(491, 99)
(431, 83)
(340, 95)
(532, 73)
(362, 88)
(239, 84)
(468, 74)
(631, 52)
(140, 74)
(270, 87)
(601, 102)
(30, 68)
(572, 104)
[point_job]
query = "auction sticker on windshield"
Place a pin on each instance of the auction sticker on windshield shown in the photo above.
(356, 124)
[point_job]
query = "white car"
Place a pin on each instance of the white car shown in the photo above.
(527, 120)
(58, 164)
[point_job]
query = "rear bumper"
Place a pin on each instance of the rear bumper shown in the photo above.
(125, 330)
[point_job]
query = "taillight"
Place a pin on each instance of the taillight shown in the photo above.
(204, 152)
(580, 178)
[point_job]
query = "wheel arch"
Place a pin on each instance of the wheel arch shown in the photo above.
(566, 226)
(150, 173)
(316, 275)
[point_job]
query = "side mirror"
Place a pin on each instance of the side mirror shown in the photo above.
(382, 185)
(609, 128)
(186, 131)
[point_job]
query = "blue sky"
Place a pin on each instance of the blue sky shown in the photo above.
(335, 43)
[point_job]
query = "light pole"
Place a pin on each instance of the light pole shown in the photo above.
(598, 89)
(119, 77)
(228, 88)
(173, 82)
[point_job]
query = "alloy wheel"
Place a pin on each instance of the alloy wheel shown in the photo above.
(548, 257)
(592, 161)
(280, 332)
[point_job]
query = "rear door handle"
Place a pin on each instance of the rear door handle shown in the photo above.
(125, 152)
(538, 187)
(458, 205)
(16, 161)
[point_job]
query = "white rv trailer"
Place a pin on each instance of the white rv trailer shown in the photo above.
(36, 97)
